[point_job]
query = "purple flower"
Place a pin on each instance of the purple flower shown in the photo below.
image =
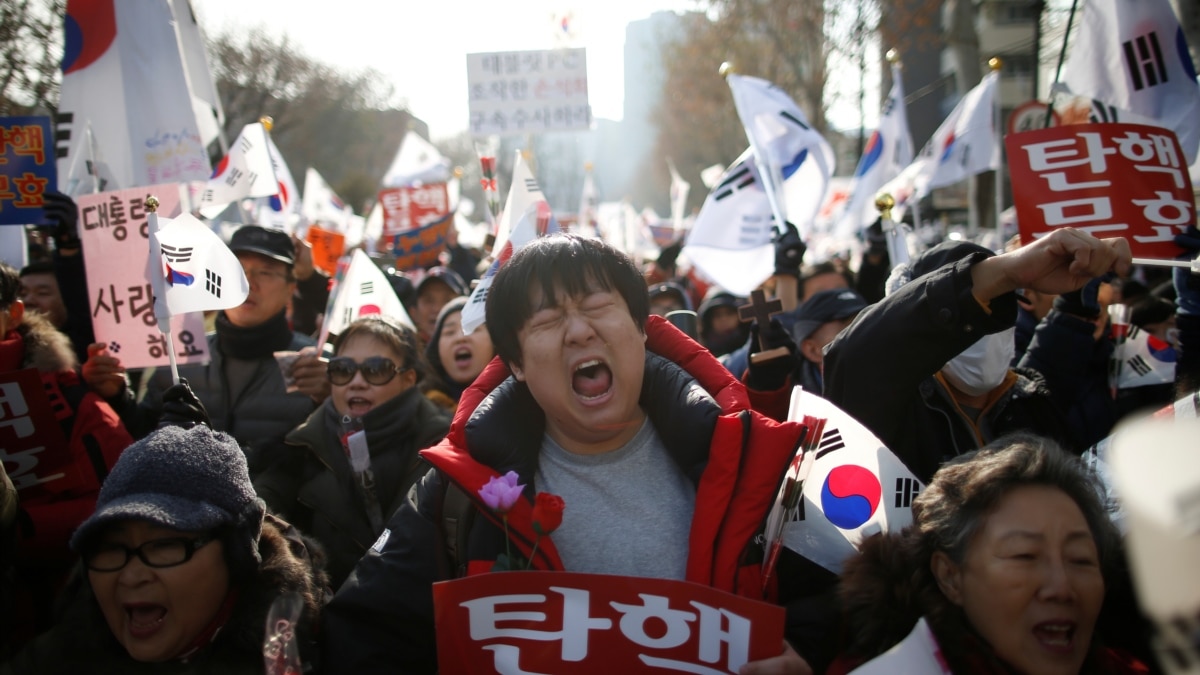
(502, 492)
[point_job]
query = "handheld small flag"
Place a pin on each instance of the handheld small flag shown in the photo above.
(247, 171)
(363, 291)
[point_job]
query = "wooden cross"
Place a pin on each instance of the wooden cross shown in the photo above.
(761, 310)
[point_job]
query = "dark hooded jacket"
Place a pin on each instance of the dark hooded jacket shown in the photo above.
(883, 369)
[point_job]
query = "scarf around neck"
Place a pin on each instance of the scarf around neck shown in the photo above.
(255, 342)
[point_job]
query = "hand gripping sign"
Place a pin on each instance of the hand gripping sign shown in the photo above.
(528, 623)
(1126, 180)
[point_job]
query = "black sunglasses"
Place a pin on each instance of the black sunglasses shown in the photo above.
(376, 370)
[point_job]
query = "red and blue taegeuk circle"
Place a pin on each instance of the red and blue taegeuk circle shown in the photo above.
(850, 496)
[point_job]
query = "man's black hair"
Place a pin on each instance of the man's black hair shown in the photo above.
(10, 285)
(38, 267)
(559, 263)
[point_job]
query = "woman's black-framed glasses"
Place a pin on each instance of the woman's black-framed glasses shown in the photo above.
(159, 553)
(376, 370)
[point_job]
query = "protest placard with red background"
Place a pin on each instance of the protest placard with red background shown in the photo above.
(28, 427)
(563, 622)
(1127, 180)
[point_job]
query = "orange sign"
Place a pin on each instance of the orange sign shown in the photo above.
(327, 247)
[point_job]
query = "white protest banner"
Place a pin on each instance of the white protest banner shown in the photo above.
(589, 624)
(528, 92)
(115, 249)
(918, 653)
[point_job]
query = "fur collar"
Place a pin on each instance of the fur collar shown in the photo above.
(46, 348)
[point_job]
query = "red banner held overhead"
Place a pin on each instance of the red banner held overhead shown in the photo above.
(1127, 180)
(562, 622)
(408, 208)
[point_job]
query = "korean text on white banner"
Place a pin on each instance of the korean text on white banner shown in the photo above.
(526, 217)
(1126, 180)
(528, 92)
(1133, 55)
(123, 75)
(113, 227)
(851, 486)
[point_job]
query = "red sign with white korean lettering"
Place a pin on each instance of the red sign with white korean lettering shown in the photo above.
(31, 442)
(1126, 180)
(563, 622)
(407, 208)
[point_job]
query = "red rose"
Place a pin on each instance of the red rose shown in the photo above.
(547, 513)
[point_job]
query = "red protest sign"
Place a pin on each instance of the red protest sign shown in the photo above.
(1127, 180)
(563, 622)
(31, 442)
(407, 208)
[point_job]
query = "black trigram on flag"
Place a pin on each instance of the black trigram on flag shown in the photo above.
(1139, 365)
(1144, 61)
(907, 490)
(739, 179)
(1103, 113)
(212, 282)
(62, 133)
(176, 254)
(793, 119)
(831, 440)
(531, 185)
(366, 287)
(246, 144)
(233, 176)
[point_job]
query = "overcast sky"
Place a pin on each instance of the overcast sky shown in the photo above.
(421, 45)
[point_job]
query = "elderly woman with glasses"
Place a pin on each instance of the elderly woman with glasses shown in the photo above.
(181, 570)
(344, 471)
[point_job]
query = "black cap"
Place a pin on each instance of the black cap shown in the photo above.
(275, 244)
(446, 276)
(826, 306)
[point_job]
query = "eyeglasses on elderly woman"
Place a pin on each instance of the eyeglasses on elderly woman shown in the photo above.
(158, 553)
(376, 370)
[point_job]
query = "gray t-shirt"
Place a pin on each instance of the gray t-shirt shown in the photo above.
(627, 512)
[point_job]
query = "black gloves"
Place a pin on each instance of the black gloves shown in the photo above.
(771, 374)
(181, 408)
(789, 251)
(63, 215)
(1083, 303)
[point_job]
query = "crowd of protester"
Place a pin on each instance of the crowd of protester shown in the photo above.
(320, 486)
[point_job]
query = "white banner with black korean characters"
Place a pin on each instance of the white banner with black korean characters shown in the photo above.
(528, 92)
(116, 245)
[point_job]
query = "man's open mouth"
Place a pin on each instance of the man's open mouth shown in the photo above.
(592, 379)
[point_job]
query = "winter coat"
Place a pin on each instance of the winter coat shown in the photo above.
(81, 642)
(883, 370)
(94, 437)
(315, 488)
(382, 618)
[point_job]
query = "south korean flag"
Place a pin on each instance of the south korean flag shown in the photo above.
(192, 270)
(852, 487)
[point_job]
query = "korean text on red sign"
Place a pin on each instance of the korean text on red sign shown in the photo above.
(562, 622)
(26, 169)
(408, 208)
(113, 228)
(1126, 180)
(31, 442)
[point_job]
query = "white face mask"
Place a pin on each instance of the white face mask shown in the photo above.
(981, 367)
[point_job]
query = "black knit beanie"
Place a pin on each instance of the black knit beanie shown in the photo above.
(191, 480)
